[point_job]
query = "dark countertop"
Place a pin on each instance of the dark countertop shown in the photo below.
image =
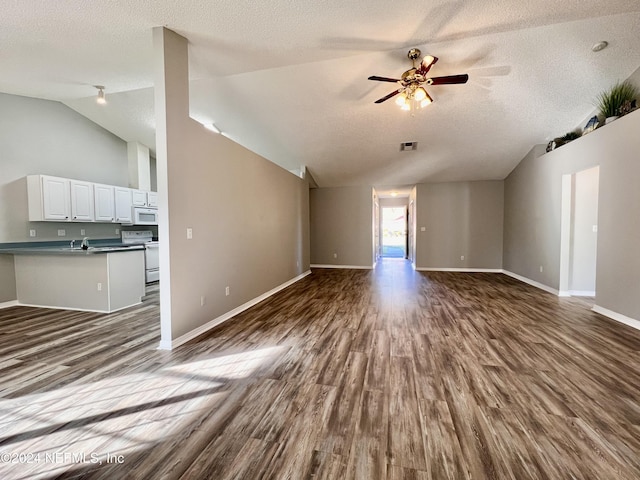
(57, 250)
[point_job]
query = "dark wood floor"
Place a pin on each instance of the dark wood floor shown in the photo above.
(348, 374)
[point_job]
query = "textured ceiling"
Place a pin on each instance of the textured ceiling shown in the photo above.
(288, 79)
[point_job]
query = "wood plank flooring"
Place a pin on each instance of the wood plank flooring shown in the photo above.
(348, 374)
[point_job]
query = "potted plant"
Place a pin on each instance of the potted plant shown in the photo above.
(610, 102)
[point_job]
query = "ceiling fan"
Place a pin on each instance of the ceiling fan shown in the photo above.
(411, 89)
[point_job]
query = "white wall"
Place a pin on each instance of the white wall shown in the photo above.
(250, 218)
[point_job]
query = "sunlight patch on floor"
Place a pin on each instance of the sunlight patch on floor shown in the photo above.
(44, 434)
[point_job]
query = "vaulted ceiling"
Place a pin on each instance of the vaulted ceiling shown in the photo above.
(288, 78)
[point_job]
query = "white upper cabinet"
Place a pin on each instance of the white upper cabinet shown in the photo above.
(49, 198)
(64, 200)
(152, 199)
(81, 201)
(104, 203)
(123, 205)
(139, 198)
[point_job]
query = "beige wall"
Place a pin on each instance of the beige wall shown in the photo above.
(460, 219)
(341, 224)
(7, 279)
(533, 206)
(250, 218)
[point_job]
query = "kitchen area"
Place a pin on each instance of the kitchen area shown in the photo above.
(99, 275)
(78, 211)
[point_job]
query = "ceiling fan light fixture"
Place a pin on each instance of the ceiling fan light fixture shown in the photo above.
(401, 99)
(420, 94)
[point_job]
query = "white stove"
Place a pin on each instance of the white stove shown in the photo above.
(151, 257)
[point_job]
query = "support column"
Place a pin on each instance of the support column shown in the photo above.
(139, 166)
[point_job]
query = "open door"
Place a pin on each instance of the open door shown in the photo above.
(394, 232)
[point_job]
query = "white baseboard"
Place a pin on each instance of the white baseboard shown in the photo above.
(618, 317)
(11, 303)
(171, 344)
(53, 307)
(464, 270)
(539, 285)
(361, 267)
(582, 293)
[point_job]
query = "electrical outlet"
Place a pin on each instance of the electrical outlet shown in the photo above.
(62, 232)
(423, 229)
(117, 231)
(99, 287)
(461, 257)
(541, 268)
(83, 231)
(203, 300)
(226, 291)
(335, 255)
(32, 233)
(189, 233)
(297, 263)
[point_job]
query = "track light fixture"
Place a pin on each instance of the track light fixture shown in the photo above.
(101, 100)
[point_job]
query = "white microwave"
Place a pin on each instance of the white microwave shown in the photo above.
(145, 216)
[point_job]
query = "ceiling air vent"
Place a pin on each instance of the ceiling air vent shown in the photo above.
(408, 146)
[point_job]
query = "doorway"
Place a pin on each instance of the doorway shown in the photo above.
(394, 232)
(579, 233)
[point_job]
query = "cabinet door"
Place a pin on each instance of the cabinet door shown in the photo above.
(104, 203)
(123, 205)
(55, 198)
(139, 198)
(152, 199)
(81, 201)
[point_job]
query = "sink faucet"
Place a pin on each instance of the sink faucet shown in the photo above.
(71, 244)
(85, 243)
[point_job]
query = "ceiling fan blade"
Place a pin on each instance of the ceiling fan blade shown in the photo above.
(449, 80)
(385, 98)
(427, 62)
(430, 100)
(383, 79)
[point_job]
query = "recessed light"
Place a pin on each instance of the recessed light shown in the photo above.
(599, 46)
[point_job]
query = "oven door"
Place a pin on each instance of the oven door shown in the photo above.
(152, 262)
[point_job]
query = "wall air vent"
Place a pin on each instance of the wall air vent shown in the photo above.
(408, 146)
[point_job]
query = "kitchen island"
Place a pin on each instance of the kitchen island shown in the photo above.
(101, 279)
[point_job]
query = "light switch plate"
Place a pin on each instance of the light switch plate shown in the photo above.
(32, 233)
(189, 233)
